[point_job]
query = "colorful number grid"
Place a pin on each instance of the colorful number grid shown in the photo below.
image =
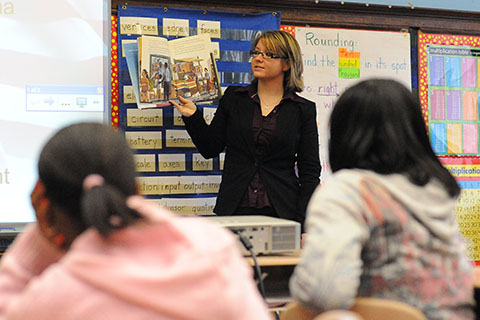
(450, 92)
(453, 103)
(467, 173)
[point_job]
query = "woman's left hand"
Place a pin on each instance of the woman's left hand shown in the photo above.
(186, 107)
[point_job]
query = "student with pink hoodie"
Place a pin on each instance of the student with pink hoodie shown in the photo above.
(100, 251)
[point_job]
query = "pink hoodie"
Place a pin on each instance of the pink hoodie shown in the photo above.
(174, 268)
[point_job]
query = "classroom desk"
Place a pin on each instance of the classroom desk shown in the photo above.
(279, 259)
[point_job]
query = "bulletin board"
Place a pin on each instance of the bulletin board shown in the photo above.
(449, 91)
(171, 170)
(334, 59)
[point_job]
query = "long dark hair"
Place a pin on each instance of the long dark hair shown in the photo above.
(77, 151)
(377, 125)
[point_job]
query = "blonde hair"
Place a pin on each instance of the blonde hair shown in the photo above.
(284, 44)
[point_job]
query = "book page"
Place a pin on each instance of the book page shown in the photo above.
(193, 68)
(154, 61)
(131, 56)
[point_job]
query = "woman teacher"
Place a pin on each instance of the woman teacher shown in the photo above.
(269, 134)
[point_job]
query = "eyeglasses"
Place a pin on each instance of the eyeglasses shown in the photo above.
(266, 55)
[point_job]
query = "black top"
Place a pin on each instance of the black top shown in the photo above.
(294, 142)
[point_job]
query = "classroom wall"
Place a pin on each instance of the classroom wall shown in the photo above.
(355, 15)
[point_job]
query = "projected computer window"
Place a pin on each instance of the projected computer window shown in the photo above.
(64, 98)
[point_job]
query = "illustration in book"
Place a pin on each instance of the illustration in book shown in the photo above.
(180, 67)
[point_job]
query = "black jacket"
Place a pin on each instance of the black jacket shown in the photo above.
(295, 141)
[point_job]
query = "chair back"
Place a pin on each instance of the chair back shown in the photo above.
(294, 311)
(339, 315)
(364, 308)
(381, 309)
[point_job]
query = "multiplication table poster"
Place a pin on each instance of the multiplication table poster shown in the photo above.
(449, 89)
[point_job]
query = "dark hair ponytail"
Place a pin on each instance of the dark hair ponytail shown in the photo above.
(78, 151)
(104, 208)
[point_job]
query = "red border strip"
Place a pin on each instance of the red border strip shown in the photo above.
(114, 73)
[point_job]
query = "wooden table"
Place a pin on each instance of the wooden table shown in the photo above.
(279, 259)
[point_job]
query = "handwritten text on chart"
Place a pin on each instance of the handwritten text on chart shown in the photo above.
(329, 90)
(185, 206)
(178, 139)
(348, 64)
(312, 40)
(138, 25)
(203, 209)
(179, 185)
(171, 162)
(144, 118)
(199, 163)
(326, 61)
(145, 162)
(144, 139)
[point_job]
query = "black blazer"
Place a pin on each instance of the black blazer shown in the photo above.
(295, 141)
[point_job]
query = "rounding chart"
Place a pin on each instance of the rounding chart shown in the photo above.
(335, 59)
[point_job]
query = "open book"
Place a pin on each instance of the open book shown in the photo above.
(167, 69)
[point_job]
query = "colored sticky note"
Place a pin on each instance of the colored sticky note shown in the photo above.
(344, 53)
(349, 63)
(349, 73)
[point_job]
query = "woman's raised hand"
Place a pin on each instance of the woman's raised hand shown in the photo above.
(186, 107)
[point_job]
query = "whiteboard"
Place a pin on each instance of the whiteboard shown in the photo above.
(335, 59)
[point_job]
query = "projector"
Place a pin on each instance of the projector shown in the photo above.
(268, 235)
